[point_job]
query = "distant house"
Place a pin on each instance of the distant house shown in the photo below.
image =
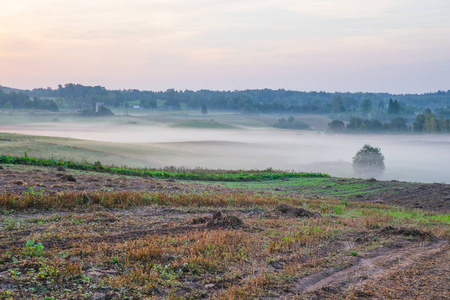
(136, 106)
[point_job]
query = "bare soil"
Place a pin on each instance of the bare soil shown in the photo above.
(278, 252)
(19, 179)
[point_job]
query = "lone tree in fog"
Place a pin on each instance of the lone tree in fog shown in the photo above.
(368, 162)
(204, 110)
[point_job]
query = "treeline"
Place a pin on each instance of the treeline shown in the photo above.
(14, 100)
(397, 124)
(291, 123)
(431, 123)
(251, 102)
(426, 122)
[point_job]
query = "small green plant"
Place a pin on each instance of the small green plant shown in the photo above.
(78, 220)
(14, 273)
(338, 210)
(46, 271)
(354, 253)
(33, 249)
(9, 223)
(115, 260)
(32, 192)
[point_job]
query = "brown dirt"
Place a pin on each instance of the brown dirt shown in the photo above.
(49, 180)
(408, 256)
(287, 210)
(363, 279)
(219, 220)
(431, 196)
(408, 232)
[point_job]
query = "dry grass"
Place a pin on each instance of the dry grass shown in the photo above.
(146, 245)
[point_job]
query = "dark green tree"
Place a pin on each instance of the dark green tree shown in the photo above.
(375, 125)
(393, 107)
(419, 123)
(398, 124)
(336, 126)
(366, 106)
(204, 110)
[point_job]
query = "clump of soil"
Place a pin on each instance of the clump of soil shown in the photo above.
(292, 211)
(218, 220)
(408, 232)
(68, 177)
(61, 169)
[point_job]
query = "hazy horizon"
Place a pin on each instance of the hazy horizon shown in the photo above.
(395, 46)
(196, 90)
(419, 158)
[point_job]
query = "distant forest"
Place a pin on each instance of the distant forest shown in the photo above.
(383, 106)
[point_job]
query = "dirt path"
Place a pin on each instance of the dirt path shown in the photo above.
(369, 271)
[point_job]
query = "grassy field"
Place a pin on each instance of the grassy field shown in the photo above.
(75, 150)
(326, 187)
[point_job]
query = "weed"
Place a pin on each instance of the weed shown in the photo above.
(33, 249)
(338, 210)
(10, 223)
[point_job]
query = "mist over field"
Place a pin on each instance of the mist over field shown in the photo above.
(421, 158)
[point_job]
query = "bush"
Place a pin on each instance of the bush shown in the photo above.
(336, 126)
(104, 111)
(291, 123)
(368, 162)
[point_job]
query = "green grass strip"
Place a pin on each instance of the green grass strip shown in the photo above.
(97, 167)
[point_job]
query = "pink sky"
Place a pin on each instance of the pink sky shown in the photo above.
(398, 46)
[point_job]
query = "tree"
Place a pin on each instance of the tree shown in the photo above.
(291, 124)
(338, 104)
(336, 126)
(104, 111)
(204, 110)
(419, 123)
(393, 107)
(366, 106)
(368, 162)
(148, 104)
(8, 105)
(290, 121)
(398, 124)
(375, 125)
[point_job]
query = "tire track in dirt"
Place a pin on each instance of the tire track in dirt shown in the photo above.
(368, 269)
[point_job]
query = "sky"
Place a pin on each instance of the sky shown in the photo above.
(396, 46)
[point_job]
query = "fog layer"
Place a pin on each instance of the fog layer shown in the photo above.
(422, 158)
